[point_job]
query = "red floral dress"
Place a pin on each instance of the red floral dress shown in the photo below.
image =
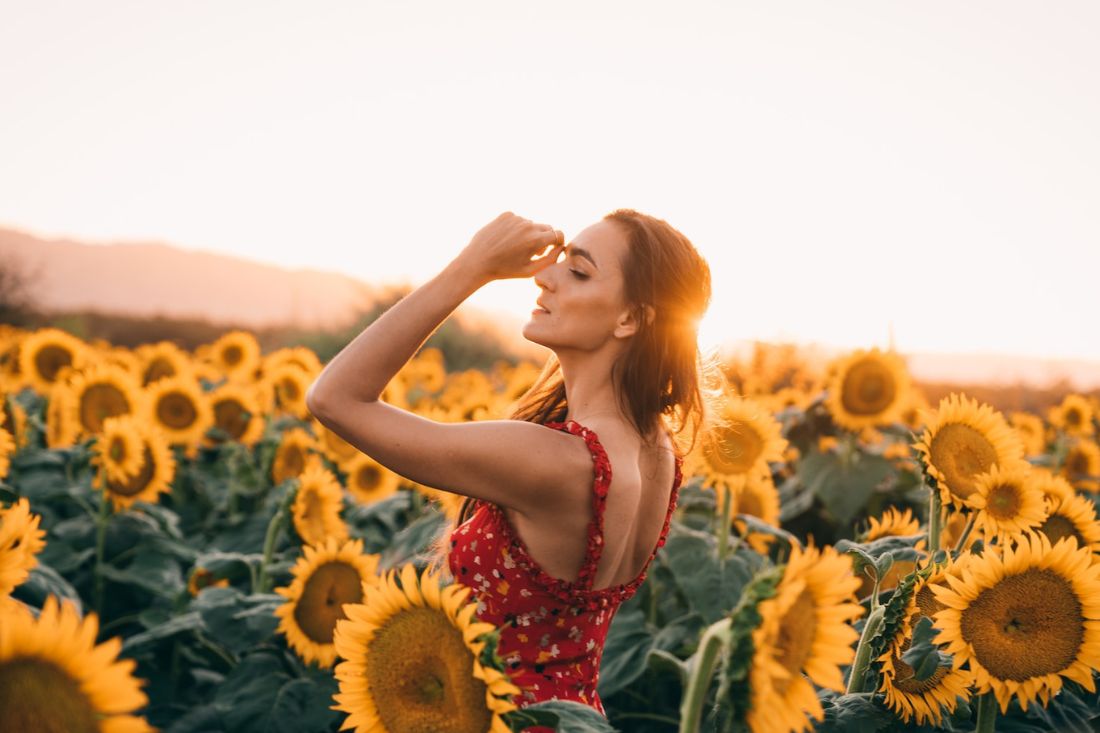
(552, 630)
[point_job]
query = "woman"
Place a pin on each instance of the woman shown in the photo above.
(566, 519)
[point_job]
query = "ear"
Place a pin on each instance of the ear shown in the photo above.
(628, 322)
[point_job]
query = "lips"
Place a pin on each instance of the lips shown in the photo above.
(540, 305)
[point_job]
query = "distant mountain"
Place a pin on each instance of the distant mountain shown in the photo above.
(153, 279)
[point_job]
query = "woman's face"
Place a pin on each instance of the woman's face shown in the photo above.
(581, 304)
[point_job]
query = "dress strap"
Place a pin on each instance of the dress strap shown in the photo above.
(600, 484)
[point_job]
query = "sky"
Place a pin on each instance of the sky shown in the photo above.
(922, 175)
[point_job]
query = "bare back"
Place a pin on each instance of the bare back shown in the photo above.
(637, 502)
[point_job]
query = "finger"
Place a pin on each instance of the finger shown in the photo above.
(537, 263)
(546, 237)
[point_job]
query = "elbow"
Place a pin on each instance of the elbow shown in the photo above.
(314, 403)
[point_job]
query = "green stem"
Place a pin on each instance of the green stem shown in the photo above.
(272, 535)
(858, 673)
(723, 529)
(935, 520)
(987, 713)
(714, 641)
(100, 543)
(965, 533)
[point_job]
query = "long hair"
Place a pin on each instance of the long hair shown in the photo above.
(660, 373)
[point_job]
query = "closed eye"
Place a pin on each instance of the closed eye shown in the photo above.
(579, 275)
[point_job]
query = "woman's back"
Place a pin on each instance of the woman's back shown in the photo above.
(553, 627)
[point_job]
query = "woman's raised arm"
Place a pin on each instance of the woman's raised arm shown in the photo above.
(508, 462)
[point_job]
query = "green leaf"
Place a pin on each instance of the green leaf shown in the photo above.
(843, 486)
(923, 655)
(629, 641)
(236, 621)
(565, 716)
(153, 572)
(44, 581)
(176, 625)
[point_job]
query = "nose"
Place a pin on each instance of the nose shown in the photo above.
(544, 278)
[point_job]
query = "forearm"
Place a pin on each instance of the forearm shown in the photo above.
(365, 366)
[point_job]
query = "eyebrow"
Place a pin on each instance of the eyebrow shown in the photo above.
(582, 252)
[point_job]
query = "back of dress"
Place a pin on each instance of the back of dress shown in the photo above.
(552, 630)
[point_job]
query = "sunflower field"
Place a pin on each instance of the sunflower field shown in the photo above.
(185, 548)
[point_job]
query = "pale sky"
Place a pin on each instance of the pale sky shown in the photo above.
(849, 169)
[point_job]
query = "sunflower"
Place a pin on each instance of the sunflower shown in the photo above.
(1051, 484)
(45, 353)
(158, 469)
(1082, 465)
(909, 697)
(416, 661)
(1072, 516)
(236, 410)
(756, 497)
(285, 387)
(119, 449)
(299, 356)
(295, 449)
(179, 407)
(160, 360)
(101, 391)
(1030, 429)
(1023, 617)
(892, 523)
(13, 418)
(1008, 501)
(236, 354)
(201, 578)
(20, 542)
(916, 408)
(867, 388)
(741, 444)
(962, 440)
(332, 445)
(449, 503)
(1074, 416)
(804, 630)
(368, 480)
(54, 677)
(326, 577)
(316, 509)
(425, 371)
(7, 450)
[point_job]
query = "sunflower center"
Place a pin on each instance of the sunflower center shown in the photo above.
(1073, 417)
(117, 451)
(369, 477)
(868, 388)
(231, 416)
(135, 484)
(1055, 527)
(158, 369)
(1077, 463)
(927, 602)
(960, 452)
(176, 410)
(232, 355)
(420, 673)
(1025, 626)
(288, 388)
(796, 635)
(1003, 502)
(37, 695)
(321, 605)
(734, 448)
(99, 402)
(49, 360)
(294, 460)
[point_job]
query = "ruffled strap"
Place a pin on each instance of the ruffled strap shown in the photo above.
(600, 484)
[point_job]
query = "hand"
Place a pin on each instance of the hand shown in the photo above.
(511, 246)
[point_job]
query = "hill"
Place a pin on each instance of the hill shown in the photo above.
(159, 280)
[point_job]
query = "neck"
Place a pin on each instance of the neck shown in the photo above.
(589, 389)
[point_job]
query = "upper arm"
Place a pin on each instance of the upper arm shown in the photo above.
(512, 463)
